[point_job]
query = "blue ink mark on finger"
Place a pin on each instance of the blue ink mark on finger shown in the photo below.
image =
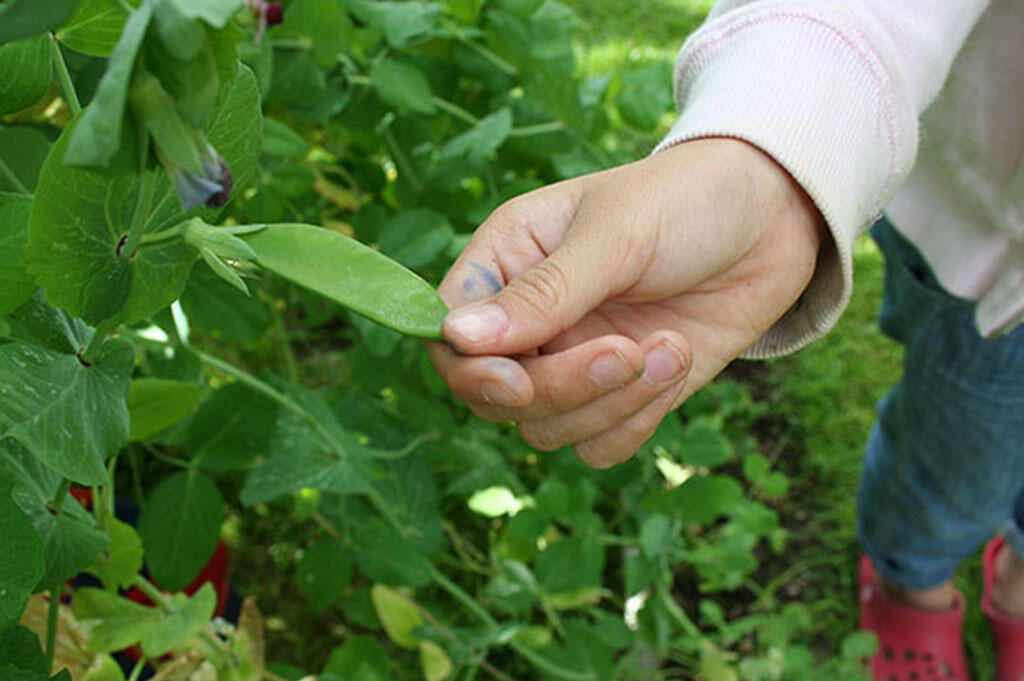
(487, 276)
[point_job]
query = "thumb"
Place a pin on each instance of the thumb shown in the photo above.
(540, 303)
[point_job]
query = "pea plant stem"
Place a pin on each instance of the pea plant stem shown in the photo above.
(487, 54)
(66, 84)
(137, 669)
(7, 174)
(143, 203)
(51, 625)
(162, 235)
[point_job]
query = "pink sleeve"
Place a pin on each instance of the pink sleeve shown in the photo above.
(832, 89)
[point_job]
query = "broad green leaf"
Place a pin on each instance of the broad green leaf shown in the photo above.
(703, 498)
(180, 527)
(416, 238)
(24, 18)
(383, 555)
(234, 130)
(319, 470)
(353, 275)
(96, 138)
(111, 622)
(70, 543)
(704, 444)
(188, 616)
(218, 308)
(483, 139)
(655, 533)
(407, 486)
(401, 22)
(16, 285)
(104, 668)
(281, 141)
(94, 27)
(401, 84)
(12, 673)
(26, 68)
(70, 416)
(21, 647)
(122, 558)
(646, 95)
(397, 614)
(322, 24)
(23, 149)
(434, 662)
(466, 11)
(359, 657)
(570, 564)
(43, 324)
(79, 220)
(231, 428)
(324, 572)
(22, 566)
(156, 403)
(756, 467)
(214, 12)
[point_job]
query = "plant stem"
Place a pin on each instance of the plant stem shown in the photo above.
(162, 235)
(123, 6)
(126, 251)
(490, 56)
(677, 613)
(66, 85)
(271, 676)
(462, 596)
(284, 340)
(8, 174)
(455, 110)
(137, 669)
(152, 593)
(538, 129)
(58, 498)
(552, 668)
(51, 626)
(404, 166)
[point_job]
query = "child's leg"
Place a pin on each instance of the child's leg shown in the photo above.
(945, 463)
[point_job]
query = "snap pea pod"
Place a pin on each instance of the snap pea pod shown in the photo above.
(352, 274)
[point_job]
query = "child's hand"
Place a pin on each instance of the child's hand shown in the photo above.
(589, 309)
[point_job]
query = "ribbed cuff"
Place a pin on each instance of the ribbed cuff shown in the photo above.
(801, 83)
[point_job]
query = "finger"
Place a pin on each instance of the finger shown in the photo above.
(620, 443)
(568, 380)
(667, 362)
(482, 381)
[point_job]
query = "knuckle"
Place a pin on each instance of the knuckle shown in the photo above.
(541, 288)
(540, 437)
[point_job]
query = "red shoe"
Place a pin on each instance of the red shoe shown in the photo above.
(913, 644)
(1007, 632)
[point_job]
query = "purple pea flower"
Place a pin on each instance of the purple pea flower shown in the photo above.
(211, 186)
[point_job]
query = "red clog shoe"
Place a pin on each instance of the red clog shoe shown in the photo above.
(1007, 632)
(913, 644)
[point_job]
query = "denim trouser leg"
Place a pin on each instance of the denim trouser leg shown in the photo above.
(944, 469)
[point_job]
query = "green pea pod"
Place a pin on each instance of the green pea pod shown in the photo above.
(350, 273)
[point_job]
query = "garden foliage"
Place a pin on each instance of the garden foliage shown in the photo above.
(210, 218)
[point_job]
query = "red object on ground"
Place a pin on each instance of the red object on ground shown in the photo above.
(913, 644)
(1007, 632)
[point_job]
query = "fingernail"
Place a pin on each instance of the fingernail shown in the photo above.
(663, 364)
(478, 323)
(497, 394)
(610, 370)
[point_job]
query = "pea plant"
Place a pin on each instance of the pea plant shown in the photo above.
(221, 224)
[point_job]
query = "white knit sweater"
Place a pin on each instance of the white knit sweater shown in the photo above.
(842, 93)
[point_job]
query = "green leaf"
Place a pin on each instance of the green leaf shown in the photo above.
(51, 327)
(70, 543)
(416, 238)
(646, 95)
(401, 22)
(385, 556)
(234, 130)
(755, 467)
(22, 566)
(281, 141)
(569, 565)
(655, 533)
(24, 18)
(434, 662)
(316, 469)
(21, 647)
(96, 138)
(360, 658)
(70, 416)
(214, 12)
(407, 487)
(78, 222)
(402, 85)
(23, 149)
(397, 614)
(104, 668)
(94, 27)
(16, 285)
(703, 498)
(324, 572)
(231, 428)
(322, 24)
(122, 558)
(156, 403)
(111, 622)
(187, 617)
(353, 275)
(483, 139)
(26, 68)
(180, 527)
(704, 444)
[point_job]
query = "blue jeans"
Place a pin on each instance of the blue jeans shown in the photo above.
(944, 469)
